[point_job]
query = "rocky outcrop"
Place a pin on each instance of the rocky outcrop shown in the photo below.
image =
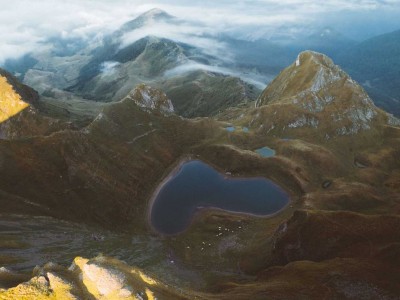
(99, 278)
(151, 99)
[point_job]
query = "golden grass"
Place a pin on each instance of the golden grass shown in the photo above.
(11, 102)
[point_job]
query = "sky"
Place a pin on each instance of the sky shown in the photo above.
(25, 25)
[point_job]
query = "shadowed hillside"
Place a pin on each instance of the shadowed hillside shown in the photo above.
(335, 154)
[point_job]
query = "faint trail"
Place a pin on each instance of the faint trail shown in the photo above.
(142, 136)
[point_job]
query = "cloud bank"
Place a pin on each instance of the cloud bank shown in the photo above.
(26, 25)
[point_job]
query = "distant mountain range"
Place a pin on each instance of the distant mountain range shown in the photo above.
(375, 63)
(106, 69)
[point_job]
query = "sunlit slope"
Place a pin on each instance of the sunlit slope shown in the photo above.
(10, 102)
(99, 278)
(20, 111)
(14, 96)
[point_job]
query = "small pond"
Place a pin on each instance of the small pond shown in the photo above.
(266, 152)
(196, 185)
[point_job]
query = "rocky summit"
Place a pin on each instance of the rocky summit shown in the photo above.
(315, 94)
(322, 95)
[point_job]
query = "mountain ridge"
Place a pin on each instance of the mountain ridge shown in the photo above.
(317, 90)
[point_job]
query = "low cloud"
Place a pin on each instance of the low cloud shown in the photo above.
(108, 67)
(199, 35)
(256, 80)
(25, 27)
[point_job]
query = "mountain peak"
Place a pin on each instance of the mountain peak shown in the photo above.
(314, 92)
(312, 72)
(314, 58)
(152, 15)
(150, 98)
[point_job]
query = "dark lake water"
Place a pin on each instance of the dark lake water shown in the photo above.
(197, 185)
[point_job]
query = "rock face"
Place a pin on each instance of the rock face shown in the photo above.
(151, 99)
(313, 92)
(98, 278)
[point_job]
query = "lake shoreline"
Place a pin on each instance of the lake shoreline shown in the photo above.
(175, 170)
(202, 210)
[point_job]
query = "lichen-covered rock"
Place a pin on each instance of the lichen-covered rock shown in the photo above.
(99, 278)
(103, 282)
(61, 288)
(36, 289)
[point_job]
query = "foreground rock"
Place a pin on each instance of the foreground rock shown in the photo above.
(99, 278)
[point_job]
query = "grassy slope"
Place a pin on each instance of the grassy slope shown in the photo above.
(98, 175)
